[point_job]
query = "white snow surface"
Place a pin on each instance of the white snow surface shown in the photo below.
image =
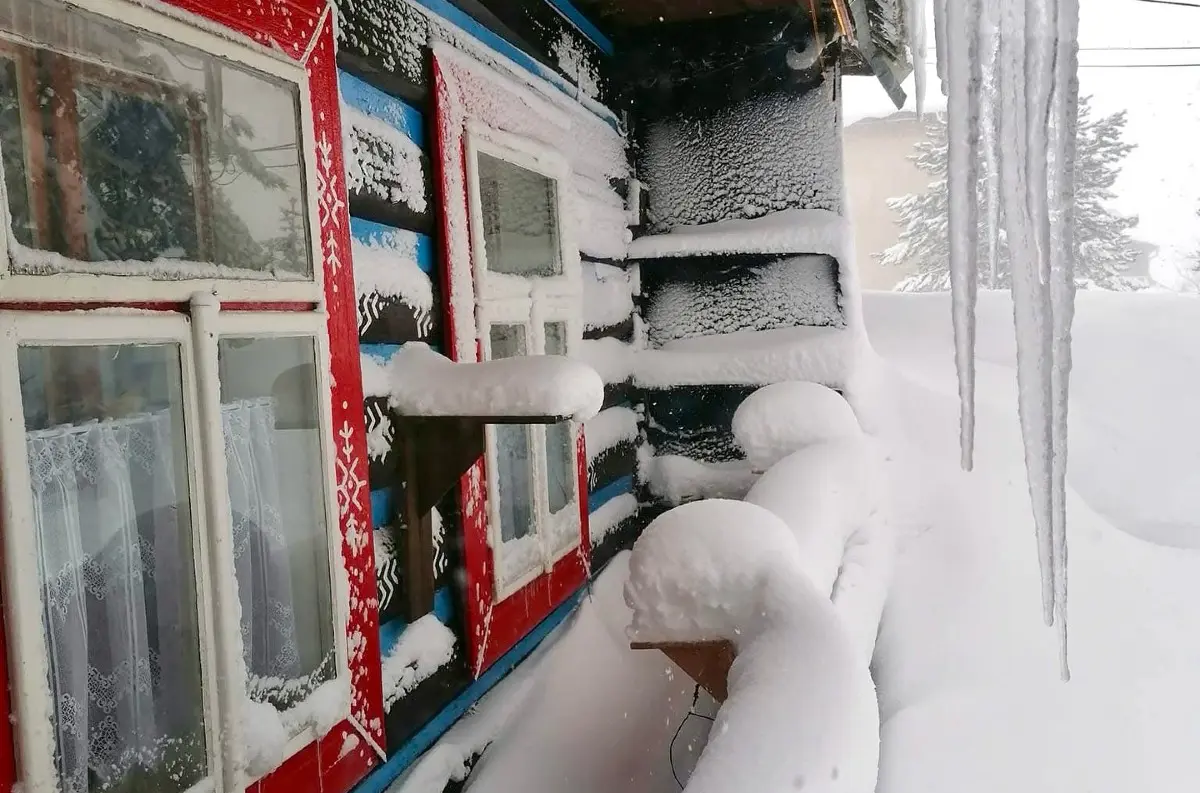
(801, 711)
(611, 513)
(607, 295)
(612, 359)
(785, 231)
(634, 701)
(781, 418)
(609, 428)
(969, 694)
(697, 570)
(426, 383)
(791, 291)
(382, 161)
(824, 493)
(676, 479)
(424, 647)
(376, 381)
(766, 154)
(829, 356)
(967, 676)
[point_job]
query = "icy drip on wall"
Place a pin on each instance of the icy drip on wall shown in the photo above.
(1013, 63)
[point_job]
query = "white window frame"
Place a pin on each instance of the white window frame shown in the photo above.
(314, 325)
(158, 19)
(530, 301)
(217, 600)
(31, 701)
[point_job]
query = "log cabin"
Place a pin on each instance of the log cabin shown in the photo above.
(276, 506)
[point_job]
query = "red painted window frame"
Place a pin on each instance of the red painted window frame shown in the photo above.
(493, 627)
(304, 31)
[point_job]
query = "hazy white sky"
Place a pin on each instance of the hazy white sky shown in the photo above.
(1161, 179)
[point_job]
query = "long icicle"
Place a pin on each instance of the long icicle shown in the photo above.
(941, 42)
(1028, 288)
(963, 172)
(989, 45)
(1065, 123)
(918, 45)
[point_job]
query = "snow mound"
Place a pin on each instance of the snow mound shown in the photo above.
(778, 419)
(426, 383)
(801, 711)
(824, 493)
(698, 571)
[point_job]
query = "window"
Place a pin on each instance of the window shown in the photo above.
(527, 285)
(172, 550)
(128, 153)
(107, 473)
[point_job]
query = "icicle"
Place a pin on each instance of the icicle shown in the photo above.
(1065, 120)
(918, 45)
(1030, 116)
(989, 50)
(1030, 295)
(940, 40)
(963, 173)
(1041, 36)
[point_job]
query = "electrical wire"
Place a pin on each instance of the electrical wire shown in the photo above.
(1172, 3)
(691, 712)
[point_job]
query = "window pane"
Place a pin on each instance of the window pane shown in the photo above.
(162, 153)
(514, 461)
(277, 502)
(560, 446)
(12, 153)
(520, 219)
(112, 519)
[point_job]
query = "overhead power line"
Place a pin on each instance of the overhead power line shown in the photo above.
(1173, 3)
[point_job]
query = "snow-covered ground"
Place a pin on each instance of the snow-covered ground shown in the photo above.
(967, 675)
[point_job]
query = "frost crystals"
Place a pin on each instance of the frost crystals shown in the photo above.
(1009, 68)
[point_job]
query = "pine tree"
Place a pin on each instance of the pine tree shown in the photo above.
(1104, 248)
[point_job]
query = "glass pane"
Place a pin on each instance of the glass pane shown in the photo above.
(514, 461)
(162, 154)
(12, 154)
(112, 519)
(560, 445)
(508, 341)
(520, 219)
(269, 413)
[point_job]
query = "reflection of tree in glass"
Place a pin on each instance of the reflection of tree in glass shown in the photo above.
(154, 157)
(288, 249)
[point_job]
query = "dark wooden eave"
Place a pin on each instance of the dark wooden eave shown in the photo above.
(873, 33)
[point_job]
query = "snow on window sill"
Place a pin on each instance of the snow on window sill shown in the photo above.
(31, 261)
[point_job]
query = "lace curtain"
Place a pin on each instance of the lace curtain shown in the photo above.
(113, 540)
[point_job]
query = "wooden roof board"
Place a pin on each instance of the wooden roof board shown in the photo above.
(633, 13)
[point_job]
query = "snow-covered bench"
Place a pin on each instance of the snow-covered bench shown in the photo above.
(782, 594)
